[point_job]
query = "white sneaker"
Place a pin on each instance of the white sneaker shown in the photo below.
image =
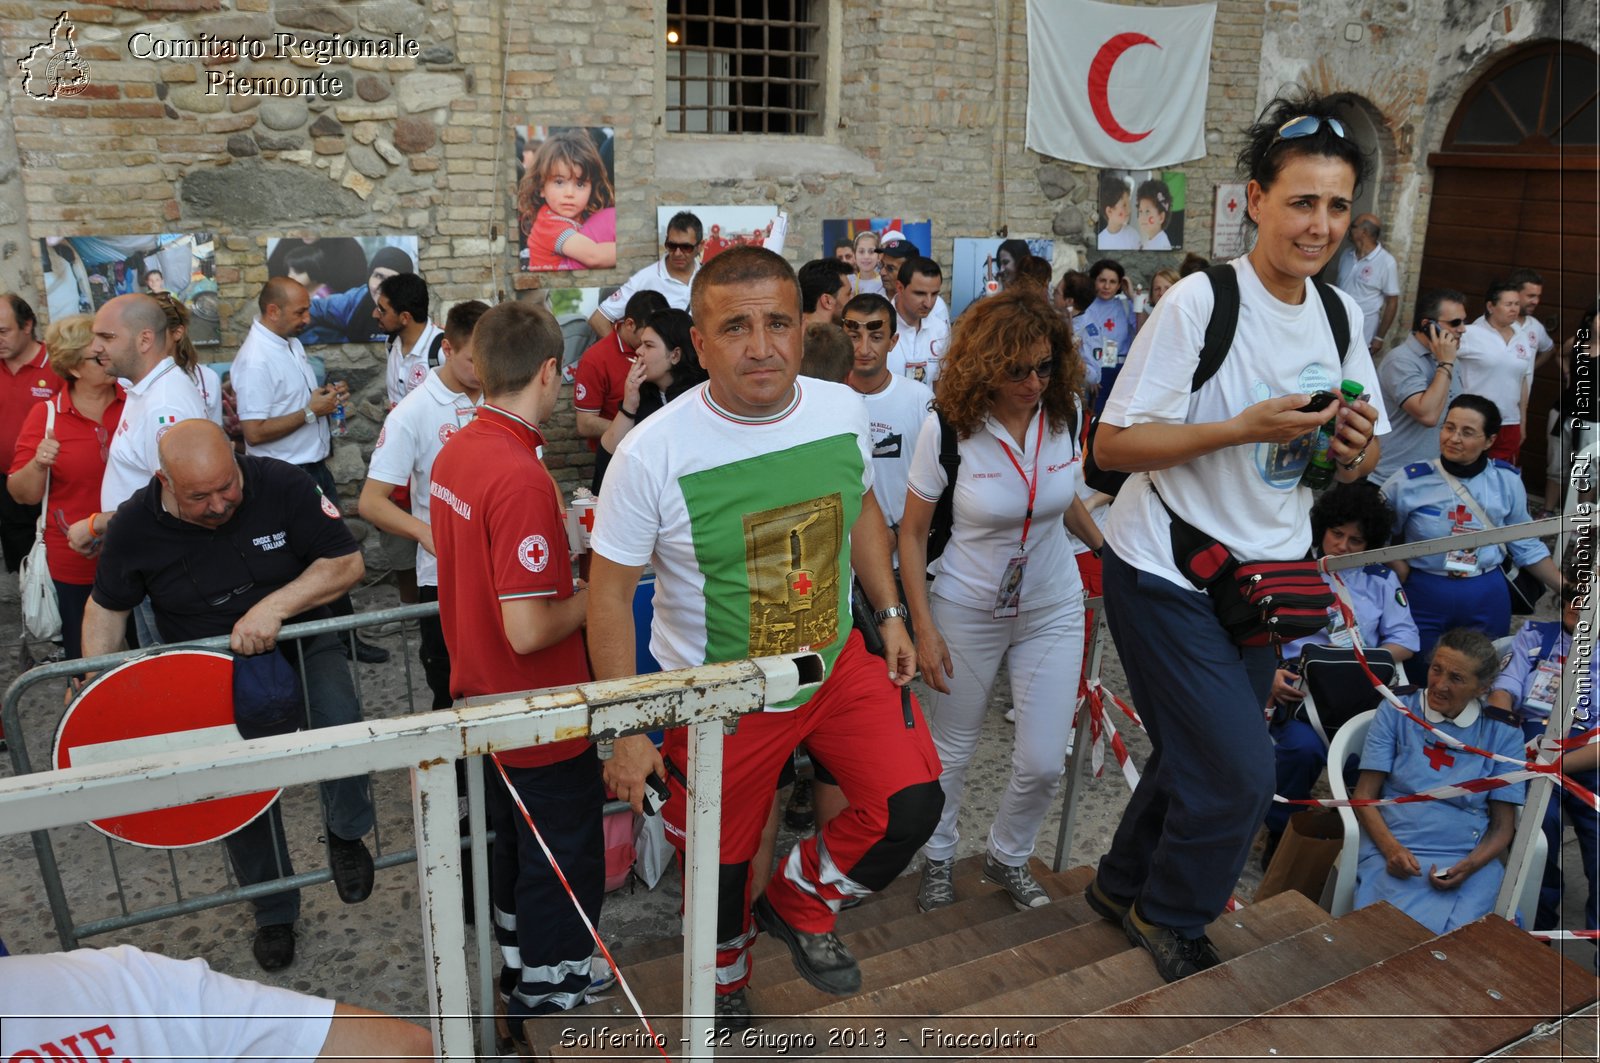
(1011, 715)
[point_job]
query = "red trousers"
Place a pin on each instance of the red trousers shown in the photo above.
(1508, 444)
(855, 724)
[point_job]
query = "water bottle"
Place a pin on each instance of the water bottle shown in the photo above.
(338, 426)
(1319, 471)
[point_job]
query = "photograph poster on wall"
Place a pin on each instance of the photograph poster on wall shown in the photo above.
(726, 226)
(566, 197)
(342, 273)
(82, 273)
(991, 264)
(1140, 210)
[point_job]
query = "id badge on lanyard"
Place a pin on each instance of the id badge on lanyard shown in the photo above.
(1108, 353)
(1544, 687)
(1008, 596)
(1461, 562)
(1339, 633)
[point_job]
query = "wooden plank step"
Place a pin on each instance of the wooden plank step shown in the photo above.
(659, 983)
(1462, 995)
(1575, 1037)
(902, 891)
(1035, 1007)
(1187, 1010)
(982, 920)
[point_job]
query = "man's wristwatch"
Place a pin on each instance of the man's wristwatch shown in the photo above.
(894, 610)
(311, 415)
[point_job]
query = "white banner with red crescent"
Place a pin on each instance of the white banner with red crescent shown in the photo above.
(1117, 86)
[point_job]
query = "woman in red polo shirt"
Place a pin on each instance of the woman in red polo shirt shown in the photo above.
(86, 414)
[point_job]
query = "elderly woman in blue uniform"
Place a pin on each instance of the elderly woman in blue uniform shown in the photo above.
(1347, 519)
(1531, 683)
(1463, 588)
(1438, 861)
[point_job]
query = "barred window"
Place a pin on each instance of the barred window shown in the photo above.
(744, 66)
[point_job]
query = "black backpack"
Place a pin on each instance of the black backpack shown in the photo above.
(1219, 338)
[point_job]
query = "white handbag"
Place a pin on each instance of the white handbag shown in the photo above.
(41, 613)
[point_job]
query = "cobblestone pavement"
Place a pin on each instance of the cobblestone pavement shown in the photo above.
(371, 954)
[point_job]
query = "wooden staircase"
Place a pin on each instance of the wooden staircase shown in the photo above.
(980, 979)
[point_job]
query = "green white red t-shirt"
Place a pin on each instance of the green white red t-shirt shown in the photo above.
(746, 522)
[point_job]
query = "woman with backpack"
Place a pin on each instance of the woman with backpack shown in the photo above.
(1224, 453)
(1007, 584)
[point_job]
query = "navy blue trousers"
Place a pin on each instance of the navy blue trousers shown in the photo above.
(543, 943)
(1187, 831)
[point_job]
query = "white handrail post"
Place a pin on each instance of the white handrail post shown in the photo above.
(703, 849)
(444, 940)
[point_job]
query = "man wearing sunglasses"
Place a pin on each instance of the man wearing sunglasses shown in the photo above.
(671, 276)
(1369, 274)
(1419, 381)
(242, 547)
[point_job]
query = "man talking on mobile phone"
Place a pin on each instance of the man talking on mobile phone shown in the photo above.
(1419, 382)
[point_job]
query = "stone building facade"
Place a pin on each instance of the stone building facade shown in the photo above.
(924, 115)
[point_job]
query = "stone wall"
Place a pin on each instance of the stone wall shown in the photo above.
(929, 123)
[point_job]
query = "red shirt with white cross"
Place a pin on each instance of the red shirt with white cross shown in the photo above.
(598, 381)
(501, 536)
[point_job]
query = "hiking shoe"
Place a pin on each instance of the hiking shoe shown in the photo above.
(1176, 956)
(800, 813)
(937, 890)
(733, 1011)
(821, 959)
(367, 653)
(351, 865)
(1025, 890)
(274, 946)
(1105, 906)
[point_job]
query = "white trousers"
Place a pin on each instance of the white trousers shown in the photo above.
(1044, 648)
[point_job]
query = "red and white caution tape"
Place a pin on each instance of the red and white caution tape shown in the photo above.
(1566, 935)
(1099, 726)
(627, 990)
(1529, 769)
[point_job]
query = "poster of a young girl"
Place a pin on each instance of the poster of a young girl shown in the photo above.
(565, 198)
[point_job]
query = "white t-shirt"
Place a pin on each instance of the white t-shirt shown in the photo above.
(1124, 239)
(209, 385)
(412, 436)
(272, 377)
(746, 522)
(1369, 280)
(156, 403)
(1158, 242)
(1535, 330)
(991, 499)
(1497, 370)
(1249, 497)
(126, 1004)
(918, 348)
(406, 370)
(894, 417)
(653, 277)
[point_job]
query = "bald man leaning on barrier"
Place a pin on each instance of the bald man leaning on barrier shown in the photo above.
(241, 546)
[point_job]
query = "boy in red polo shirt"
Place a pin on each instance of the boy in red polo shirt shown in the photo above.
(598, 379)
(513, 620)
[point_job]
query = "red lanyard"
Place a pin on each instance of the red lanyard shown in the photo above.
(1033, 485)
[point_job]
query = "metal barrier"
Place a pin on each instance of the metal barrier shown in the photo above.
(70, 932)
(707, 700)
(1539, 790)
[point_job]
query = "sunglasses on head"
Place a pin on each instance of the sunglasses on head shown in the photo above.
(1306, 125)
(673, 245)
(1018, 373)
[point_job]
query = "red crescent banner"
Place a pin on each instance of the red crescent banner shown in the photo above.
(1100, 81)
(152, 707)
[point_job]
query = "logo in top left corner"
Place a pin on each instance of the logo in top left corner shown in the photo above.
(54, 70)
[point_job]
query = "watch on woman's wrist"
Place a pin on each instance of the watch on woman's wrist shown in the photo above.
(895, 610)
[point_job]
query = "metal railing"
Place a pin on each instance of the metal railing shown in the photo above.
(1529, 824)
(706, 699)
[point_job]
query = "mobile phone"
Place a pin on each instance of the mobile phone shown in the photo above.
(1319, 402)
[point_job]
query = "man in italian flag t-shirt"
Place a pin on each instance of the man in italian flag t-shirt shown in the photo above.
(751, 496)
